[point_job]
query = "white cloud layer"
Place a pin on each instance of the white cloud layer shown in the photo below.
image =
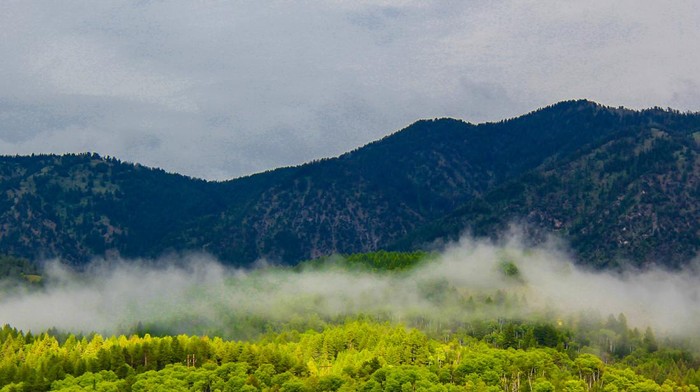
(114, 296)
(221, 89)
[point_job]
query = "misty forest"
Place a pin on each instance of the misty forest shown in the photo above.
(556, 251)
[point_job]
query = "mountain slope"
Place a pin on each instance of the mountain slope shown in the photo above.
(75, 206)
(429, 180)
(631, 198)
(371, 197)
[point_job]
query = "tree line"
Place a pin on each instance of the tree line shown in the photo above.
(358, 355)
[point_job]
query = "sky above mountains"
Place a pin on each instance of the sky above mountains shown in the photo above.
(218, 89)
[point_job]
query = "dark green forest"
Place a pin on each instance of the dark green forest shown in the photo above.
(620, 186)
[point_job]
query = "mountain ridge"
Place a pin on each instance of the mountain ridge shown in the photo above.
(390, 193)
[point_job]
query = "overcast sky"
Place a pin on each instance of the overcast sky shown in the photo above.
(220, 89)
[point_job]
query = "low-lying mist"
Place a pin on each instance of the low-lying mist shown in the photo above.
(196, 294)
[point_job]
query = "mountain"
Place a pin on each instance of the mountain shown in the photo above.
(575, 168)
(633, 197)
(76, 206)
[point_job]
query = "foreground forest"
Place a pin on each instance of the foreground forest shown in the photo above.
(463, 339)
(356, 355)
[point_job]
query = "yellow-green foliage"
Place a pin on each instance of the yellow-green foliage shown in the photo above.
(379, 261)
(33, 278)
(356, 356)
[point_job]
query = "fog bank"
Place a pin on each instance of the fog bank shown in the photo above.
(196, 294)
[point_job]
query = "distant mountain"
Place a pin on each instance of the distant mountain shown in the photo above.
(616, 182)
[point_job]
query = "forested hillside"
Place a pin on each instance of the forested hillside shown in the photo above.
(633, 197)
(616, 183)
(75, 206)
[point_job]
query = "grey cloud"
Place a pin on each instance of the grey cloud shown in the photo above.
(222, 89)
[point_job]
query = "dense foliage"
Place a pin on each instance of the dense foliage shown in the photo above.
(358, 355)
